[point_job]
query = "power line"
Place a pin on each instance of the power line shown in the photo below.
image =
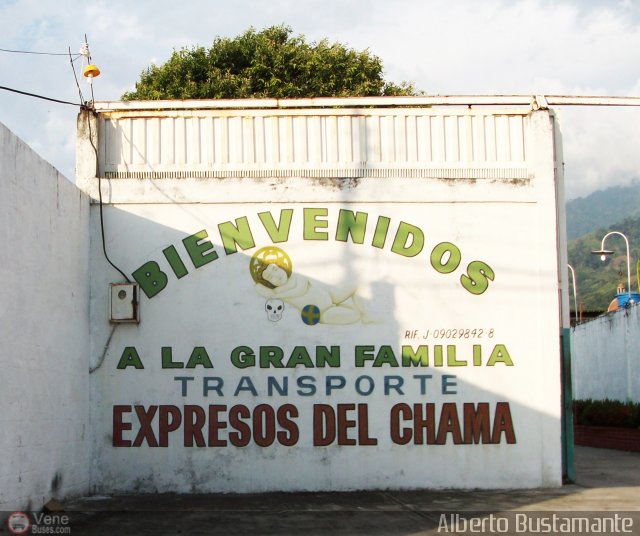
(32, 52)
(39, 96)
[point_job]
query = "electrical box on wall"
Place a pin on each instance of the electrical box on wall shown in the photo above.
(124, 303)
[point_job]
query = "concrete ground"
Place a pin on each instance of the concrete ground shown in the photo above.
(607, 484)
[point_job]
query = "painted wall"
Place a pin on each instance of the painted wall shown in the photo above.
(407, 334)
(44, 327)
(605, 357)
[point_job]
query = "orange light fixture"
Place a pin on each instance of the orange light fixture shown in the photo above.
(91, 71)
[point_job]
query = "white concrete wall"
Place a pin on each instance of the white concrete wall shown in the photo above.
(44, 326)
(605, 354)
(488, 210)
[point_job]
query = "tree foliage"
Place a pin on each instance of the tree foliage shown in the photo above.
(266, 64)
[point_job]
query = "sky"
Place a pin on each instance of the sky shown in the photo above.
(444, 47)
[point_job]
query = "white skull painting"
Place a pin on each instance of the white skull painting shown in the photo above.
(274, 308)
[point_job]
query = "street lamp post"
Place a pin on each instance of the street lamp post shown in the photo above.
(575, 291)
(604, 253)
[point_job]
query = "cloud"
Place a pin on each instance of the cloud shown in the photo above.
(501, 47)
(600, 148)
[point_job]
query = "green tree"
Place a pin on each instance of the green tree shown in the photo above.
(269, 63)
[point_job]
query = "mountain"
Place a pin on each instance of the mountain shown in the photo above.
(602, 209)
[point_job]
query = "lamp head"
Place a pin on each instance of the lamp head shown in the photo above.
(604, 253)
(90, 72)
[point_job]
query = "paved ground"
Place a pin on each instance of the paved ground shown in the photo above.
(607, 483)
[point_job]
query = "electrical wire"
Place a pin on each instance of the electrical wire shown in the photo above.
(82, 105)
(39, 96)
(72, 58)
(38, 53)
(104, 351)
(104, 247)
(95, 150)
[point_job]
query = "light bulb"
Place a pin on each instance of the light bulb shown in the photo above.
(603, 257)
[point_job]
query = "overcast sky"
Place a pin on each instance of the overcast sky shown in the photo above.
(462, 47)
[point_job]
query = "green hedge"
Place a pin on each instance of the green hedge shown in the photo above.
(606, 413)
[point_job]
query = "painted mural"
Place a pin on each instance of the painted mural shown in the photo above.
(324, 327)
